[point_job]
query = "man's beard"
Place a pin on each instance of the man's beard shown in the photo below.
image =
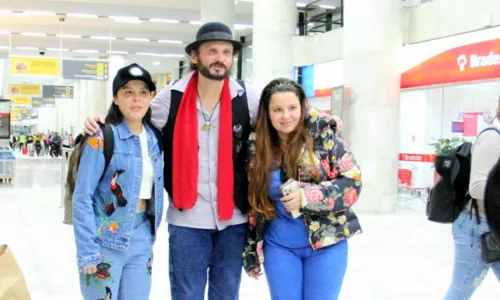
(205, 71)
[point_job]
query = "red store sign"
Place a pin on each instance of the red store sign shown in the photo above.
(411, 157)
(479, 61)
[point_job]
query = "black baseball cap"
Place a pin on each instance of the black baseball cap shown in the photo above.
(132, 72)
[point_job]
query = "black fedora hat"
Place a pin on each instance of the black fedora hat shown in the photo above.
(213, 31)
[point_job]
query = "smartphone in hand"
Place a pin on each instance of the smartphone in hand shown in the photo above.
(291, 186)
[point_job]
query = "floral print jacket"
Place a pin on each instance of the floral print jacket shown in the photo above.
(326, 203)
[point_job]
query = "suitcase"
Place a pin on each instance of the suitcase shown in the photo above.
(25, 151)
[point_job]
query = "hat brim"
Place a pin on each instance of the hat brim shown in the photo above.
(151, 85)
(194, 45)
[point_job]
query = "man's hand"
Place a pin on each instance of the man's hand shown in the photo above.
(90, 126)
(90, 270)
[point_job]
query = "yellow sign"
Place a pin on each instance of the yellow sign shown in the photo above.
(15, 111)
(19, 100)
(24, 89)
(34, 66)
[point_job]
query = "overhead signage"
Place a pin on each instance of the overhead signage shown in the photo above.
(4, 119)
(24, 89)
(34, 66)
(22, 114)
(479, 61)
(37, 102)
(85, 70)
(57, 91)
(19, 100)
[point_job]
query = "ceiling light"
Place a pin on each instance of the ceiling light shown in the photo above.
(41, 13)
(195, 22)
(86, 51)
(57, 49)
(19, 14)
(242, 26)
(170, 42)
(172, 55)
(69, 36)
(158, 54)
(136, 39)
(103, 37)
(27, 48)
(5, 12)
(4, 32)
(125, 19)
(81, 15)
(116, 52)
(4, 47)
(300, 4)
(156, 63)
(164, 21)
(146, 54)
(33, 34)
(328, 6)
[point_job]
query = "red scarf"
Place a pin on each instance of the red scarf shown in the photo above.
(185, 152)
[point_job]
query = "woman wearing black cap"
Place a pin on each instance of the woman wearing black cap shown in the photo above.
(114, 236)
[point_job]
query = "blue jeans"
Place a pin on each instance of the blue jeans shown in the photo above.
(469, 269)
(123, 275)
(193, 252)
(296, 274)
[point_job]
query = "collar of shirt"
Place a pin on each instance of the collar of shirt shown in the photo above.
(235, 88)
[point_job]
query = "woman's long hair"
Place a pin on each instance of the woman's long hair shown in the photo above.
(269, 153)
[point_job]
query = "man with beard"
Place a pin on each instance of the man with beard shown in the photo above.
(205, 118)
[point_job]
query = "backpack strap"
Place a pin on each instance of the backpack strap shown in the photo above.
(109, 145)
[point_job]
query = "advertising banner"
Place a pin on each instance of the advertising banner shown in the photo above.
(57, 91)
(85, 70)
(24, 89)
(37, 102)
(478, 61)
(34, 66)
(19, 100)
(4, 118)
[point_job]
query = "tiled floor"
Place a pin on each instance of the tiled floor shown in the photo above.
(400, 256)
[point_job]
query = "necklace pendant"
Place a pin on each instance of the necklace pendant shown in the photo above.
(207, 126)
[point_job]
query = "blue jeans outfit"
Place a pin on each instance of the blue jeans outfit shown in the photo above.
(469, 269)
(295, 271)
(193, 252)
(128, 276)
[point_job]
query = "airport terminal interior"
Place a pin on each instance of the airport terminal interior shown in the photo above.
(408, 79)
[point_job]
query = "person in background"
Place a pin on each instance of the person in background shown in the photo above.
(22, 141)
(46, 143)
(38, 143)
(469, 269)
(114, 238)
(55, 145)
(30, 143)
(303, 181)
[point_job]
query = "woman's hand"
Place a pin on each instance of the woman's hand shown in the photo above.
(90, 270)
(292, 202)
(90, 126)
(255, 273)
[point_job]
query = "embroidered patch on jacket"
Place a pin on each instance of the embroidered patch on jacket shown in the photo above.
(150, 266)
(108, 296)
(116, 189)
(95, 143)
(113, 227)
(103, 273)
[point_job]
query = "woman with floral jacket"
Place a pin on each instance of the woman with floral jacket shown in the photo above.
(302, 234)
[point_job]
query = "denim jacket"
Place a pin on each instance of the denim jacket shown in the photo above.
(104, 209)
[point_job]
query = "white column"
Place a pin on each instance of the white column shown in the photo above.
(274, 25)
(160, 81)
(116, 62)
(372, 41)
(219, 11)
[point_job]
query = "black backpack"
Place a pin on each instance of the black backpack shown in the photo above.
(450, 194)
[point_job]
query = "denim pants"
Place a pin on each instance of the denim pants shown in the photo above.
(193, 252)
(305, 274)
(469, 269)
(123, 275)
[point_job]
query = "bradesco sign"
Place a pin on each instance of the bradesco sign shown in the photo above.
(479, 61)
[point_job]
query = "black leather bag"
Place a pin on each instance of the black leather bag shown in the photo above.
(490, 248)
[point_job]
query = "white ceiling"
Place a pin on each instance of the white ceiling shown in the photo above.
(61, 29)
